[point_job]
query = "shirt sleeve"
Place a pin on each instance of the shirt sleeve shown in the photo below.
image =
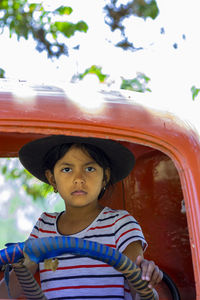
(35, 231)
(127, 231)
(45, 226)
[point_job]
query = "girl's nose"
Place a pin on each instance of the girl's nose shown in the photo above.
(79, 179)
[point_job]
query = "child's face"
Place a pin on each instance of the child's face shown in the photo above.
(78, 178)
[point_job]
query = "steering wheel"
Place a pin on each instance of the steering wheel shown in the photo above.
(49, 247)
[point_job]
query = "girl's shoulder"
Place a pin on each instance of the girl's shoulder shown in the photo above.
(119, 212)
(49, 217)
(120, 215)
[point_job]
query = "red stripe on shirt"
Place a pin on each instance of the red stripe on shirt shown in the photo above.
(109, 245)
(46, 214)
(85, 287)
(133, 229)
(110, 211)
(46, 231)
(77, 267)
(110, 225)
(33, 235)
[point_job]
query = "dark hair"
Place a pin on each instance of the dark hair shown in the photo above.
(97, 154)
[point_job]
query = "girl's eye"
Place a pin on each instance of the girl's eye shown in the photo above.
(66, 170)
(90, 169)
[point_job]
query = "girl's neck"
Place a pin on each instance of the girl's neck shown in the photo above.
(76, 219)
(80, 213)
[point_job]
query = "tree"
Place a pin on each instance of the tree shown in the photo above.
(46, 27)
(116, 14)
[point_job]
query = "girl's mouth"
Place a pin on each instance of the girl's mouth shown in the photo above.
(79, 193)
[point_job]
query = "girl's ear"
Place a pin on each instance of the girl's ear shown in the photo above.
(106, 177)
(50, 177)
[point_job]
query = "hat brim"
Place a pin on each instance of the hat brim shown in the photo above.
(32, 154)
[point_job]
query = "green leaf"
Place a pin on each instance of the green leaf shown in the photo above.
(195, 91)
(19, 17)
(32, 7)
(137, 84)
(2, 73)
(4, 170)
(82, 26)
(67, 28)
(94, 70)
(151, 10)
(54, 35)
(4, 4)
(64, 10)
(143, 76)
(145, 9)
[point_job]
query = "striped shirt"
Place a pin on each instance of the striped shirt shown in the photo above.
(81, 277)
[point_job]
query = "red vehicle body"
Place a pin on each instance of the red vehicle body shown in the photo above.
(162, 192)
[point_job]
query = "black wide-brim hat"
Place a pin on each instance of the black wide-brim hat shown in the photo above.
(32, 154)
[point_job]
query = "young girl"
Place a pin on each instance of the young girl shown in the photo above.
(80, 170)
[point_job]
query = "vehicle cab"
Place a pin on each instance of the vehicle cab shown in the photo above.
(162, 192)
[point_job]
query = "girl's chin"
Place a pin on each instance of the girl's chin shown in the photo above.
(80, 204)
